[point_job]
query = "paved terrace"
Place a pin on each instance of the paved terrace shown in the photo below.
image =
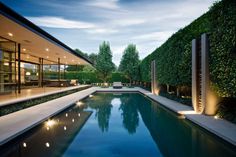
(19, 122)
(32, 93)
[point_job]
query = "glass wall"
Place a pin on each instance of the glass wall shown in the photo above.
(7, 66)
(29, 75)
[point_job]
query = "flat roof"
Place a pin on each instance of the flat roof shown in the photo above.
(36, 42)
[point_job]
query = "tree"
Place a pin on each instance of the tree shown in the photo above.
(104, 63)
(93, 58)
(130, 62)
(84, 54)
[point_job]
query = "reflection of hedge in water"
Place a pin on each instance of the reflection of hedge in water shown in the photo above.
(173, 58)
(177, 137)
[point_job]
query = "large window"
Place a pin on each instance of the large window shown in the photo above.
(7, 65)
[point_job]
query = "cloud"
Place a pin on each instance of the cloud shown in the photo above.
(128, 21)
(105, 4)
(59, 22)
(158, 36)
(102, 31)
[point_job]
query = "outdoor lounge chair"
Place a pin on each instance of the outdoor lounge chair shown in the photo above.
(117, 85)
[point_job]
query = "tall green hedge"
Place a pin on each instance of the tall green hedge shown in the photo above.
(92, 77)
(173, 58)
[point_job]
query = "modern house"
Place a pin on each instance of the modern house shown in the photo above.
(26, 51)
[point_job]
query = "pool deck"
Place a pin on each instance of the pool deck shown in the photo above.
(16, 123)
(32, 93)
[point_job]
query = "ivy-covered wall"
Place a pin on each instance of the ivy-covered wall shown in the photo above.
(173, 58)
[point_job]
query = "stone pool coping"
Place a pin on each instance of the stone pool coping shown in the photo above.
(15, 124)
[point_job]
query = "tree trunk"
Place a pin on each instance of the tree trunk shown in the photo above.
(178, 92)
(168, 88)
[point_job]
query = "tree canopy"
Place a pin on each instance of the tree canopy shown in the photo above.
(104, 64)
(129, 64)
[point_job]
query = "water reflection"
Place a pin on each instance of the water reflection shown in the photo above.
(102, 107)
(138, 127)
(173, 136)
(129, 107)
(178, 137)
(49, 139)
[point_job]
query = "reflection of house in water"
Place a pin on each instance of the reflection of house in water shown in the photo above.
(177, 137)
(51, 138)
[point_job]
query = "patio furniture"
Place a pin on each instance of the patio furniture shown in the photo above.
(117, 85)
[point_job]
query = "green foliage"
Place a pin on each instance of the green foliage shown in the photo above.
(93, 58)
(173, 58)
(223, 47)
(91, 77)
(130, 62)
(104, 64)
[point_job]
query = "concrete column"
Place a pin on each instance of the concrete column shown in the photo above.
(153, 78)
(40, 72)
(208, 96)
(194, 75)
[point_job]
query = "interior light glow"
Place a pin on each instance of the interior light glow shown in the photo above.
(24, 145)
(66, 114)
(79, 114)
(6, 64)
(27, 73)
(73, 120)
(64, 56)
(91, 96)
(47, 57)
(10, 34)
(216, 117)
(47, 49)
(65, 128)
(24, 49)
(47, 144)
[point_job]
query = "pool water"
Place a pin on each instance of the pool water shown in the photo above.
(117, 124)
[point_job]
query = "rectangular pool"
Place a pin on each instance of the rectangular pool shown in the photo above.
(117, 124)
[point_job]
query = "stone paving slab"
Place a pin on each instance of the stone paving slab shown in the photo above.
(17, 123)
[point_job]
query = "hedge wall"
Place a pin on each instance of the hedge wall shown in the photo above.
(91, 77)
(173, 58)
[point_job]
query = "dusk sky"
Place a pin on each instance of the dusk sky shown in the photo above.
(84, 24)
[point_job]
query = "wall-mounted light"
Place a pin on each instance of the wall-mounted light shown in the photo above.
(24, 49)
(47, 49)
(64, 56)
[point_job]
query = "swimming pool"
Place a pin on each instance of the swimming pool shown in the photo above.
(117, 124)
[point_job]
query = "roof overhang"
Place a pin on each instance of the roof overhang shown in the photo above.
(35, 42)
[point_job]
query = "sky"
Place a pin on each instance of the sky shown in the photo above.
(85, 24)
